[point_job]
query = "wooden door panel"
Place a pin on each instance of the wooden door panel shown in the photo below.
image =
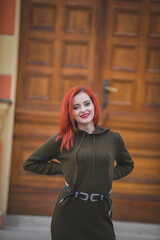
(126, 92)
(66, 43)
(30, 192)
(58, 41)
(132, 66)
(150, 166)
(33, 200)
(145, 209)
(57, 51)
(124, 57)
(126, 22)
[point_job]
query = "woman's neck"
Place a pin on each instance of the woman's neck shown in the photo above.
(88, 128)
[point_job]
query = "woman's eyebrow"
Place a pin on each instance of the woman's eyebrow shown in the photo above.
(84, 102)
(75, 104)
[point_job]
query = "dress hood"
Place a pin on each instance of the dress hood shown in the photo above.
(98, 130)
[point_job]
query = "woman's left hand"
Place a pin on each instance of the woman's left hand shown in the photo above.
(66, 183)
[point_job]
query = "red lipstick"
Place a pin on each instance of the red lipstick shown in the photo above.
(85, 115)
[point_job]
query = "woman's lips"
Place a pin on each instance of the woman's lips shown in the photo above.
(85, 115)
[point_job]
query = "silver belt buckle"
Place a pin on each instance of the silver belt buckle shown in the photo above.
(94, 195)
(86, 196)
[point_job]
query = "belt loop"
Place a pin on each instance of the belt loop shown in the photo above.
(76, 194)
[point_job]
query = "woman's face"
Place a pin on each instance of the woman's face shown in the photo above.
(83, 109)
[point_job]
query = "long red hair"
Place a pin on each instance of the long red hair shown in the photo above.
(67, 122)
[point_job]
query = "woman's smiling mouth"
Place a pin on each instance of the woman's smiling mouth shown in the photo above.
(84, 115)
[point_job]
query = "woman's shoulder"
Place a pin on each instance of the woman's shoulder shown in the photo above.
(113, 135)
(53, 140)
(108, 131)
(54, 137)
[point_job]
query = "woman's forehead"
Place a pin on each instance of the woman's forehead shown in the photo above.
(80, 98)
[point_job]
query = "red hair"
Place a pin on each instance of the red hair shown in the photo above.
(67, 122)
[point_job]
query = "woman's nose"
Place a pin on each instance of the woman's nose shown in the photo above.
(83, 109)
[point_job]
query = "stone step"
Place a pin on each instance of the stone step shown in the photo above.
(26, 222)
(24, 235)
(137, 230)
(38, 227)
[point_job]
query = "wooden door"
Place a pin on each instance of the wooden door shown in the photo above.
(58, 50)
(68, 42)
(132, 66)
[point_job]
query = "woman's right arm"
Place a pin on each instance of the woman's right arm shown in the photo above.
(40, 160)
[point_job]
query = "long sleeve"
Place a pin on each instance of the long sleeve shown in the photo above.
(40, 160)
(124, 162)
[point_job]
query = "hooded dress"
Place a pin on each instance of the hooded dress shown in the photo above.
(88, 167)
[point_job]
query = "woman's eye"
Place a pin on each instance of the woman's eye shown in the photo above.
(88, 103)
(75, 107)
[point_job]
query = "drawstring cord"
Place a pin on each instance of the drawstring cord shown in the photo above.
(79, 146)
(94, 152)
(76, 158)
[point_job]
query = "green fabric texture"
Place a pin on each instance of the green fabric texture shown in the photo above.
(88, 167)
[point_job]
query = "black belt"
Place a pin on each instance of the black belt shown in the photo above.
(93, 197)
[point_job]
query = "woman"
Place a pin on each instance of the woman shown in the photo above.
(86, 153)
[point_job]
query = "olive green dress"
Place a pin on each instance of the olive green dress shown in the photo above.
(88, 167)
